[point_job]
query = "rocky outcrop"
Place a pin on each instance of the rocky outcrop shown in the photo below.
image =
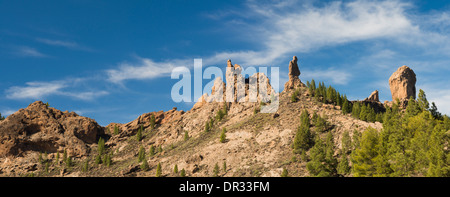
(373, 97)
(294, 81)
(403, 84)
(44, 129)
(143, 120)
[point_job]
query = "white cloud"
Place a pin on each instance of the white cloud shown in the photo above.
(40, 90)
(25, 51)
(144, 69)
(66, 44)
(331, 74)
(34, 90)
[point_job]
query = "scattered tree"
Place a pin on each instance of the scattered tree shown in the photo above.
(223, 135)
(158, 170)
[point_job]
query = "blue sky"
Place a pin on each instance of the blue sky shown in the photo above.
(111, 60)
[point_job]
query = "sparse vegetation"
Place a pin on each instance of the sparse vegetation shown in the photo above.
(216, 170)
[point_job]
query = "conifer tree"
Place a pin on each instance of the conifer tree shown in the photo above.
(224, 166)
(144, 166)
(422, 101)
(343, 167)
(346, 142)
(152, 121)
(175, 169)
(141, 154)
(303, 137)
(152, 151)
(285, 173)
(186, 136)
(356, 110)
(101, 146)
(98, 159)
(182, 173)
(158, 170)
(85, 166)
(363, 157)
(216, 170)
(223, 136)
(139, 133)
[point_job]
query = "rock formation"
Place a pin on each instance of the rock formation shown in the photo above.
(294, 82)
(45, 129)
(373, 97)
(403, 84)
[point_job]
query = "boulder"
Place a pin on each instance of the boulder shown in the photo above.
(45, 129)
(403, 84)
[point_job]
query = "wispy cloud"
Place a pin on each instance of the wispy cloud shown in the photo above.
(331, 74)
(66, 44)
(25, 51)
(40, 90)
(144, 68)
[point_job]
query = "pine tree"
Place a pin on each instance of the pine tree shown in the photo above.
(422, 101)
(363, 158)
(1, 117)
(57, 158)
(182, 173)
(98, 159)
(186, 136)
(86, 166)
(284, 173)
(207, 127)
(69, 161)
(346, 142)
(434, 112)
(224, 166)
(175, 169)
(343, 167)
(152, 151)
(152, 122)
(116, 130)
(223, 136)
(316, 167)
(65, 155)
(141, 154)
(101, 146)
(356, 110)
(216, 170)
(144, 166)
(139, 133)
(158, 170)
(413, 108)
(303, 137)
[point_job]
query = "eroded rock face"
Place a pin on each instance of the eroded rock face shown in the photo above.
(403, 84)
(373, 97)
(45, 129)
(294, 82)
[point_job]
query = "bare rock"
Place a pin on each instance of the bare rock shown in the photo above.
(403, 84)
(45, 129)
(373, 97)
(294, 81)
